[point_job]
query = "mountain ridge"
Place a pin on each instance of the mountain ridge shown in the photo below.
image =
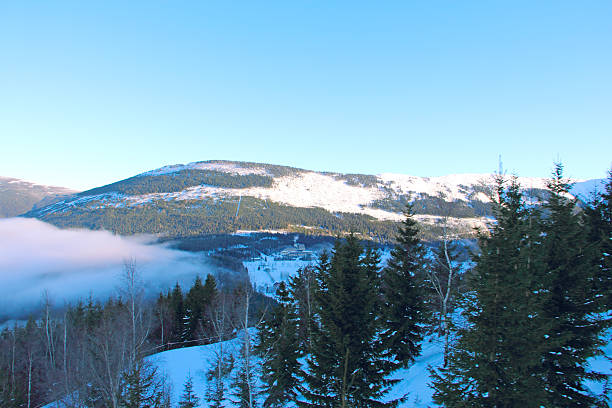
(254, 196)
(19, 196)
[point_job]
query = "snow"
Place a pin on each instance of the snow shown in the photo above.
(178, 364)
(584, 189)
(266, 272)
(318, 190)
(225, 167)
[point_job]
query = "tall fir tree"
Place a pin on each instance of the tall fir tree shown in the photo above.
(347, 365)
(573, 307)
(279, 348)
(177, 308)
(194, 309)
(598, 218)
(404, 313)
(497, 359)
(302, 288)
(189, 399)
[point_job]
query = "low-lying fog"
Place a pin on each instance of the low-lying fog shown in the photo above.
(74, 264)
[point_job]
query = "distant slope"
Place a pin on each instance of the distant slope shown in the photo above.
(18, 196)
(225, 197)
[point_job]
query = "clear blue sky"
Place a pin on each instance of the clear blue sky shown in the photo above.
(93, 92)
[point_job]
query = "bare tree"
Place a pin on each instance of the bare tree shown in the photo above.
(223, 361)
(442, 274)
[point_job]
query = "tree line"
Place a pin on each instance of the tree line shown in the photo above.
(517, 329)
(94, 354)
(534, 309)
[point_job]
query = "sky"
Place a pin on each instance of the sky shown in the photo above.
(95, 92)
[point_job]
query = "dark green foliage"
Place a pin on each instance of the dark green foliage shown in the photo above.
(279, 348)
(426, 204)
(302, 288)
(497, 360)
(574, 304)
(598, 219)
(186, 218)
(144, 388)
(189, 399)
(177, 309)
(180, 180)
(197, 302)
(360, 180)
(403, 294)
(347, 366)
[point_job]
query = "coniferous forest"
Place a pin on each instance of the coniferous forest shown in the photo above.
(518, 327)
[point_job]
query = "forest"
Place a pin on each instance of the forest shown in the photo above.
(518, 327)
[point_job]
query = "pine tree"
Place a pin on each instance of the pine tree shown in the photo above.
(194, 305)
(177, 308)
(497, 359)
(302, 289)
(189, 399)
(404, 301)
(144, 387)
(347, 366)
(278, 345)
(574, 304)
(598, 219)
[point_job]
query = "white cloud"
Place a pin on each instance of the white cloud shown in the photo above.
(71, 264)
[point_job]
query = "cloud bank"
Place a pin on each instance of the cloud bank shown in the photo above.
(73, 264)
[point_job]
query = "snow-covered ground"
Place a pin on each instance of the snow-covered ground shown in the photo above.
(196, 361)
(178, 364)
(267, 271)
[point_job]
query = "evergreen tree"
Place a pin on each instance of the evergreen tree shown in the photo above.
(278, 345)
(404, 301)
(574, 304)
(347, 365)
(497, 360)
(177, 308)
(144, 387)
(302, 289)
(189, 399)
(598, 218)
(194, 305)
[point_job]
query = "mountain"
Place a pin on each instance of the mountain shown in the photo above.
(228, 197)
(18, 196)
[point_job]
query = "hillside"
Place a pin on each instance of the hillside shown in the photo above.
(18, 196)
(226, 197)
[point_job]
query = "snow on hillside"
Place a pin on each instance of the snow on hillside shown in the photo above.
(359, 194)
(196, 361)
(178, 364)
(226, 167)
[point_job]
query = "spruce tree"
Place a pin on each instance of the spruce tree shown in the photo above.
(347, 364)
(574, 305)
(278, 345)
(403, 294)
(302, 288)
(194, 305)
(177, 307)
(497, 359)
(189, 399)
(598, 219)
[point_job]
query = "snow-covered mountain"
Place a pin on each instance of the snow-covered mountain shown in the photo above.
(225, 196)
(20, 196)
